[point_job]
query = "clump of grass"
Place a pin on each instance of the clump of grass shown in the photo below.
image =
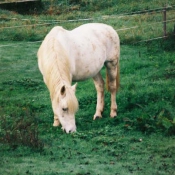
(20, 128)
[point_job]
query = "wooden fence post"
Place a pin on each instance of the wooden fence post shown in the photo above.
(164, 23)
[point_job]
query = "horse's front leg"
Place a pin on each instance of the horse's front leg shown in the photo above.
(56, 121)
(54, 105)
(99, 85)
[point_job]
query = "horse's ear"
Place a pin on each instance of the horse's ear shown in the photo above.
(74, 87)
(63, 90)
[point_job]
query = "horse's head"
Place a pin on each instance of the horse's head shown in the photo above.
(65, 108)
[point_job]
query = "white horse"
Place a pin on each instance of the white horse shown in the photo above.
(65, 56)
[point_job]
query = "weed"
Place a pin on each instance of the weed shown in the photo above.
(20, 128)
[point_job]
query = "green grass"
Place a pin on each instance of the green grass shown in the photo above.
(139, 141)
(121, 153)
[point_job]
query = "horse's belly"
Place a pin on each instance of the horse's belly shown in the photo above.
(86, 68)
(83, 75)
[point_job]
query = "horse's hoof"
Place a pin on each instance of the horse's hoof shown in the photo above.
(97, 117)
(113, 116)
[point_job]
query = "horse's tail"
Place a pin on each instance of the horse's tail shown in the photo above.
(117, 78)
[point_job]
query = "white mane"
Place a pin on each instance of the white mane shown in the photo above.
(56, 70)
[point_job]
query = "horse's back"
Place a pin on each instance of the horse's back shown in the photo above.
(95, 28)
(92, 45)
(97, 33)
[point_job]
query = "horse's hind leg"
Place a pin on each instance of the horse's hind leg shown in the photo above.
(99, 85)
(112, 84)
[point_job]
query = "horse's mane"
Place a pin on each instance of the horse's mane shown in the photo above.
(56, 70)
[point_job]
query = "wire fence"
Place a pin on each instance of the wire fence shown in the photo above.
(78, 20)
(55, 21)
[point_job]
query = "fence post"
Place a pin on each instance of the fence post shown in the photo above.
(164, 23)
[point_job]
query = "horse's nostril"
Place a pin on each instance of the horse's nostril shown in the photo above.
(71, 131)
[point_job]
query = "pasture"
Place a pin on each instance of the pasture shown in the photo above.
(140, 140)
(137, 141)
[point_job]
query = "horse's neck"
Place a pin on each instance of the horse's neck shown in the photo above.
(58, 67)
(59, 77)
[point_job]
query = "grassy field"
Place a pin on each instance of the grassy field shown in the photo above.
(141, 140)
(136, 142)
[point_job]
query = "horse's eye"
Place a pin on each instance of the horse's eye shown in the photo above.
(65, 109)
